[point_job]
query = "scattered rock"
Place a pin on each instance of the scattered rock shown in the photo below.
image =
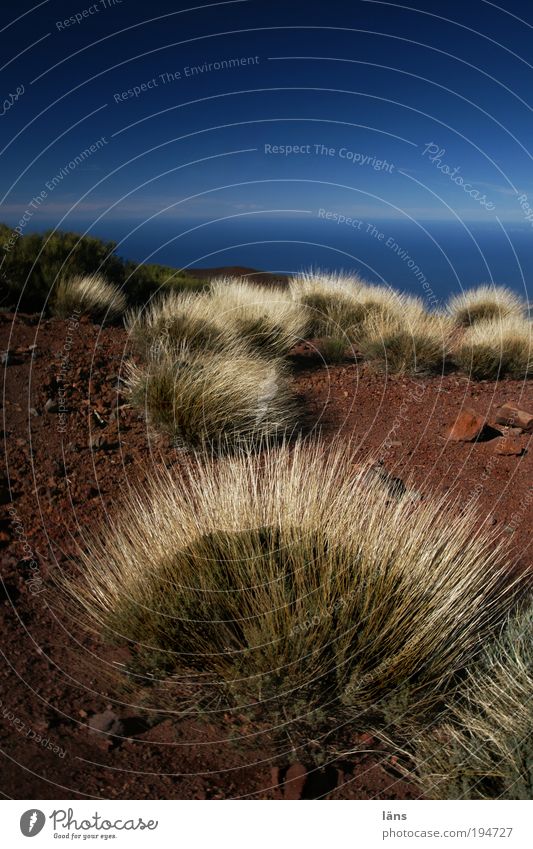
(33, 412)
(294, 783)
(512, 416)
(468, 426)
(51, 406)
(105, 723)
(509, 446)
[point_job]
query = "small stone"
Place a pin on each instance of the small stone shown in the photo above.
(512, 416)
(468, 426)
(295, 779)
(33, 412)
(510, 446)
(51, 406)
(106, 722)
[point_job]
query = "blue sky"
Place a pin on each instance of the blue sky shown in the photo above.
(358, 91)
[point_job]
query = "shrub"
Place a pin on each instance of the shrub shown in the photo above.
(495, 348)
(91, 295)
(486, 748)
(411, 341)
(266, 317)
(205, 399)
(485, 303)
(331, 302)
(32, 264)
(290, 576)
(332, 349)
(178, 319)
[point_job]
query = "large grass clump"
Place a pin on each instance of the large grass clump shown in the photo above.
(288, 576)
(89, 294)
(496, 348)
(411, 341)
(207, 399)
(485, 303)
(265, 317)
(179, 319)
(331, 302)
(485, 751)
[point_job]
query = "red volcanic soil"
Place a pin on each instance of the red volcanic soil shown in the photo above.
(63, 475)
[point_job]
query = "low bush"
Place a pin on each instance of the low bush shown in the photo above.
(331, 302)
(332, 349)
(31, 266)
(212, 400)
(495, 348)
(290, 578)
(265, 317)
(485, 751)
(411, 341)
(180, 319)
(90, 295)
(485, 303)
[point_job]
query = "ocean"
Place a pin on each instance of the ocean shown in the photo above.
(430, 257)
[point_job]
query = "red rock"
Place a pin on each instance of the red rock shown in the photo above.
(468, 426)
(294, 781)
(512, 416)
(510, 446)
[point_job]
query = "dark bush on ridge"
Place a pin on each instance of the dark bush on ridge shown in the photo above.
(31, 265)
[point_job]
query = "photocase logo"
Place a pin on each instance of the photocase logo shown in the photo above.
(32, 822)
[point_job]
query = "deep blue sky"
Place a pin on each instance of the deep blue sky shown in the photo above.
(378, 80)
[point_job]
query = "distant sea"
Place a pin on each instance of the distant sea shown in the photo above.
(434, 256)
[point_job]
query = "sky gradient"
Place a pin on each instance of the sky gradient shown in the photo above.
(123, 112)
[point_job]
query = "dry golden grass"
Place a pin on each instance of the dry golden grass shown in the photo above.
(290, 576)
(486, 748)
(485, 303)
(410, 341)
(177, 319)
(331, 302)
(91, 295)
(204, 399)
(332, 349)
(265, 317)
(496, 348)
(339, 305)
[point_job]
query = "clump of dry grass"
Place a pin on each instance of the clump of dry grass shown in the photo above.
(332, 349)
(486, 748)
(338, 304)
(410, 341)
(204, 399)
(485, 303)
(291, 576)
(265, 317)
(496, 348)
(331, 302)
(90, 294)
(178, 319)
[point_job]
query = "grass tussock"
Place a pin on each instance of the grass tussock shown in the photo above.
(203, 399)
(486, 749)
(496, 348)
(331, 302)
(332, 349)
(291, 577)
(412, 341)
(265, 317)
(89, 294)
(179, 319)
(485, 303)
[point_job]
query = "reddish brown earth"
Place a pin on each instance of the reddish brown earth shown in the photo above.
(57, 485)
